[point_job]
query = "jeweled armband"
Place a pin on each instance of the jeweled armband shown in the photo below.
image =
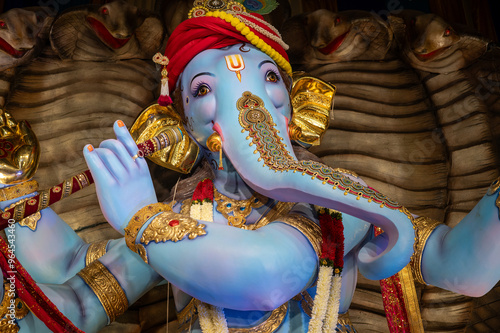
(106, 288)
(424, 226)
(138, 220)
(170, 226)
(95, 251)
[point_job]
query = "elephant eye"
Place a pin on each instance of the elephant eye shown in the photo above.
(202, 90)
(272, 76)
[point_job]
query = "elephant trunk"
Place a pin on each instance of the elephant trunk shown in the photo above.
(265, 162)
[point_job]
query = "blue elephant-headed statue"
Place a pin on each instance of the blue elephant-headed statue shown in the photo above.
(250, 242)
(237, 246)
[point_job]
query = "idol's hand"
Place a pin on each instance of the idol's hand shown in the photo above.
(122, 180)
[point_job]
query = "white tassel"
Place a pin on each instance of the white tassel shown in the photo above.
(164, 99)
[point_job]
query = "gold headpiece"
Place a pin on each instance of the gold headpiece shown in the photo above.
(202, 7)
(237, 15)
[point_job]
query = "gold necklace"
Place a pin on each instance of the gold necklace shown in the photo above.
(240, 209)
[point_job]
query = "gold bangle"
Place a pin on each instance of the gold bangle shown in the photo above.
(95, 251)
(308, 228)
(138, 220)
(424, 227)
(106, 288)
(16, 191)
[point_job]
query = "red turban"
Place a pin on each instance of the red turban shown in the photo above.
(218, 30)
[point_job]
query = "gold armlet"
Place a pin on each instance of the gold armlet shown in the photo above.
(308, 228)
(16, 191)
(138, 220)
(170, 226)
(95, 251)
(106, 288)
(424, 226)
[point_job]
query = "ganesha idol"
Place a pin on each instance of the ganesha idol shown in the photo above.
(256, 239)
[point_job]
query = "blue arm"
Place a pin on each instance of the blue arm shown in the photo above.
(465, 259)
(238, 269)
(52, 252)
(77, 301)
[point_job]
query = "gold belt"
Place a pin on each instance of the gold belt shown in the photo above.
(189, 314)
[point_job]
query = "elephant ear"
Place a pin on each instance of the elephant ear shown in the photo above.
(155, 119)
(312, 105)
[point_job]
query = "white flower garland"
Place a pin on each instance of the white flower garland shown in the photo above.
(212, 318)
(321, 299)
(202, 211)
(332, 314)
(325, 312)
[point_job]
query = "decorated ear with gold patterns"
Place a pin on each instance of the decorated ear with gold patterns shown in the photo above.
(156, 119)
(312, 105)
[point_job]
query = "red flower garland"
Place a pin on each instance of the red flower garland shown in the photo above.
(332, 247)
(204, 191)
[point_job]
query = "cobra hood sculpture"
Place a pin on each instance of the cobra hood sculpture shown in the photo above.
(20, 33)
